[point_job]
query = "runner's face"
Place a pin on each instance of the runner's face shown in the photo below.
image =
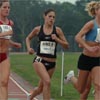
(5, 9)
(50, 18)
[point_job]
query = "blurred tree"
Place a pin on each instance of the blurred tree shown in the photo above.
(27, 14)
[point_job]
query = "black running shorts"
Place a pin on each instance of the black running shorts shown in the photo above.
(48, 65)
(88, 63)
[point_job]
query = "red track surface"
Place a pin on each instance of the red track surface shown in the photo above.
(15, 93)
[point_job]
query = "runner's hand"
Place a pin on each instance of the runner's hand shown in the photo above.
(18, 45)
(31, 51)
(54, 37)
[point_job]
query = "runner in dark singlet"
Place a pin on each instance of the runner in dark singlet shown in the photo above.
(45, 61)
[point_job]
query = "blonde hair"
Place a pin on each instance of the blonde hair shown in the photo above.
(91, 7)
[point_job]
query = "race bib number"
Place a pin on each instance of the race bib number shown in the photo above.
(98, 35)
(47, 47)
(38, 59)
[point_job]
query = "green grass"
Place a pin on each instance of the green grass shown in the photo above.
(22, 65)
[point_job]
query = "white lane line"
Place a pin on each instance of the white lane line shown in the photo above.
(28, 94)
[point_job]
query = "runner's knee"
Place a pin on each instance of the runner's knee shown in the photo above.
(47, 82)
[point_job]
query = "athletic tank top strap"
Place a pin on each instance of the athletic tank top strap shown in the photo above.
(1, 22)
(95, 24)
(9, 23)
(54, 30)
(41, 29)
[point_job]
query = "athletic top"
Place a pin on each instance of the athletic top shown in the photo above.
(9, 23)
(7, 28)
(47, 46)
(93, 34)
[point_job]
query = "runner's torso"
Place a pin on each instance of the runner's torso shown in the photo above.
(47, 46)
(93, 39)
(4, 43)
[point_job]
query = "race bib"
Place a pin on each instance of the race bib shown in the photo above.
(47, 47)
(98, 35)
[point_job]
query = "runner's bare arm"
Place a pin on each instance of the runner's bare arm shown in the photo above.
(29, 38)
(15, 44)
(79, 37)
(61, 38)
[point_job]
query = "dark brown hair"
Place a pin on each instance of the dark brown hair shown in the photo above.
(48, 10)
(1, 2)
